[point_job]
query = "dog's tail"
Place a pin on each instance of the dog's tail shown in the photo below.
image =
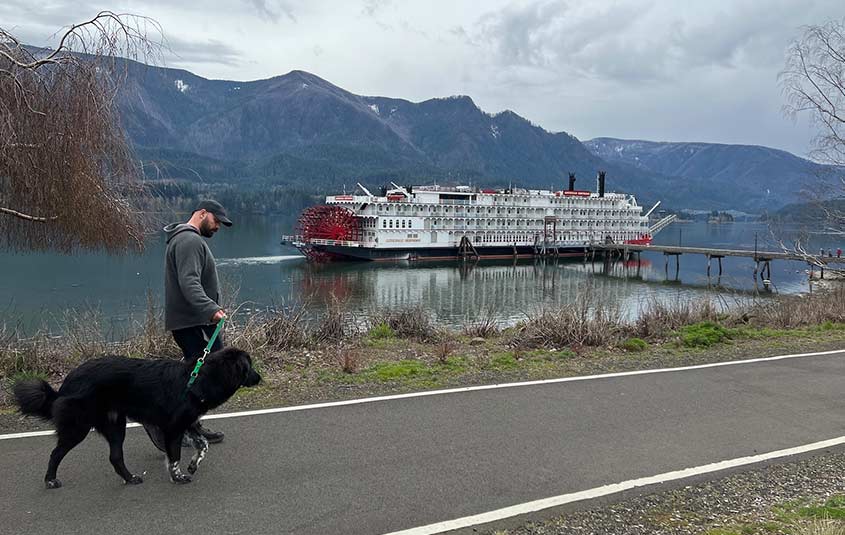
(35, 398)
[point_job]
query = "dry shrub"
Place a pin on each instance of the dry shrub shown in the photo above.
(484, 326)
(799, 310)
(444, 350)
(585, 322)
(26, 356)
(658, 317)
(287, 329)
(820, 526)
(336, 324)
(411, 322)
(153, 339)
(346, 359)
(83, 336)
(246, 332)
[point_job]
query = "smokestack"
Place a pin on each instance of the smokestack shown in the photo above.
(571, 182)
(601, 183)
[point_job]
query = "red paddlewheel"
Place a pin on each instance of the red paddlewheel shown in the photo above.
(329, 223)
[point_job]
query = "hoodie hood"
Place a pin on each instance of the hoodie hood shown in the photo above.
(175, 228)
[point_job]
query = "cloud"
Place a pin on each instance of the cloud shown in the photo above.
(211, 51)
(635, 41)
(371, 7)
(273, 12)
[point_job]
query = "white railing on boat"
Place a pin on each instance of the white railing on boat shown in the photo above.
(300, 240)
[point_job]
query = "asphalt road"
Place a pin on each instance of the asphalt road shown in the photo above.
(390, 465)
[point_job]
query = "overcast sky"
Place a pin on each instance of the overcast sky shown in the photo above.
(673, 70)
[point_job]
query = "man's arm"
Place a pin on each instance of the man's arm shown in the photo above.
(189, 257)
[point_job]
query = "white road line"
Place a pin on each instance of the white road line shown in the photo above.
(467, 389)
(538, 505)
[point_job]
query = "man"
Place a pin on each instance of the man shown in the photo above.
(191, 293)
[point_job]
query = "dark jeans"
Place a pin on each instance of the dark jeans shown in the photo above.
(192, 341)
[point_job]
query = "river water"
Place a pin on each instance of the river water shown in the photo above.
(258, 272)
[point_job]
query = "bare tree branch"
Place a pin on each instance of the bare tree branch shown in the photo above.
(63, 151)
(813, 82)
(26, 216)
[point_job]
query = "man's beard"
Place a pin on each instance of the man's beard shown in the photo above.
(206, 230)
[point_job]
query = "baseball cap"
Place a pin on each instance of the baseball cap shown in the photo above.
(215, 208)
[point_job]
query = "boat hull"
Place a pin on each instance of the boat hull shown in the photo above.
(337, 252)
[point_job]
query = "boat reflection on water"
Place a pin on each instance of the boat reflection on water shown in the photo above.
(459, 292)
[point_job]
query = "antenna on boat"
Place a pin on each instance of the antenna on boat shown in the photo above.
(652, 209)
(365, 190)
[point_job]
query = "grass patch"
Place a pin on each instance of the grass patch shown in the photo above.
(634, 345)
(254, 392)
(833, 508)
(396, 371)
(454, 364)
(381, 331)
(503, 361)
(703, 334)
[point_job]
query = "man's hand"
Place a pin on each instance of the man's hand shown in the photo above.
(219, 315)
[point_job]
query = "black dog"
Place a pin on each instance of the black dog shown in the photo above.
(104, 392)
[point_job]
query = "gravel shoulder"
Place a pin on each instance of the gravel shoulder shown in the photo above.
(803, 496)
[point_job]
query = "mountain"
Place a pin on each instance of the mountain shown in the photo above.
(748, 176)
(815, 213)
(301, 130)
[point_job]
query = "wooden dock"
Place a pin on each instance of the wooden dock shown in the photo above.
(761, 255)
(763, 259)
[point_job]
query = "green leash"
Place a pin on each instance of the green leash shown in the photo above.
(205, 352)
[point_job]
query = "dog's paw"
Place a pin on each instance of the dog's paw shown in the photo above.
(134, 480)
(180, 479)
(53, 484)
(192, 468)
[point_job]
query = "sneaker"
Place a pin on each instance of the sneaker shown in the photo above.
(156, 436)
(213, 437)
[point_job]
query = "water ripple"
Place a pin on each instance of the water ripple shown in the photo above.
(257, 260)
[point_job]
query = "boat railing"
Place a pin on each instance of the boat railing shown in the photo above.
(295, 240)
(455, 201)
(344, 243)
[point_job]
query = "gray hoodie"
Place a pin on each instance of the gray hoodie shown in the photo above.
(191, 293)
